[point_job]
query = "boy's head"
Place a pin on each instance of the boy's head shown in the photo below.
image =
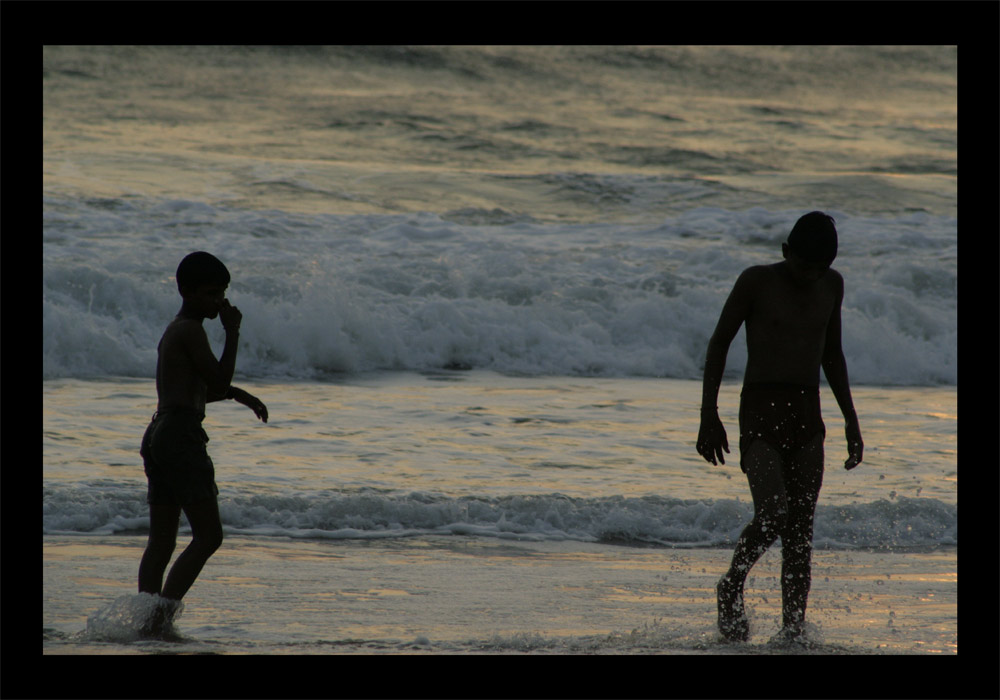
(814, 239)
(200, 269)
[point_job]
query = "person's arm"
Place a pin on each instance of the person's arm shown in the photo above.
(712, 435)
(835, 369)
(249, 400)
(231, 319)
(217, 374)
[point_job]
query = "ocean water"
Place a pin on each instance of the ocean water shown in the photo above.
(477, 286)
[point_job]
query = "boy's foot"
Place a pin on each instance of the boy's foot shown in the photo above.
(792, 634)
(159, 623)
(733, 623)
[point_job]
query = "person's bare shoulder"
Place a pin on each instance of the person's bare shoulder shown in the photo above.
(742, 298)
(185, 340)
(186, 349)
(183, 330)
(758, 272)
(834, 284)
(752, 277)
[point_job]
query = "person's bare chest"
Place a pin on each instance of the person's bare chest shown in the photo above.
(178, 383)
(784, 310)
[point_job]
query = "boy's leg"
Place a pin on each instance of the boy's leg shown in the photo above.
(765, 474)
(767, 486)
(804, 477)
(206, 537)
(163, 521)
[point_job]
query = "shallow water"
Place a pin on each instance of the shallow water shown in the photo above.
(492, 514)
(549, 458)
(466, 595)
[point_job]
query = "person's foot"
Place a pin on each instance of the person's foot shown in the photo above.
(733, 623)
(159, 623)
(794, 633)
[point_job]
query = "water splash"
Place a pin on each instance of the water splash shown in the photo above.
(131, 618)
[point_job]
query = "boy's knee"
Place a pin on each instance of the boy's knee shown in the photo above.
(162, 547)
(774, 514)
(210, 541)
(796, 543)
(215, 541)
(798, 528)
(777, 520)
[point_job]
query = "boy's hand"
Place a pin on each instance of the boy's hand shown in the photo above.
(230, 316)
(257, 406)
(712, 437)
(250, 401)
(855, 446)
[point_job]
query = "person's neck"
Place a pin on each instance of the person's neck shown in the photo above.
(189, 313)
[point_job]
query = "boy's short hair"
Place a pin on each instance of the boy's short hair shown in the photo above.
(199, 269)
(814, 238)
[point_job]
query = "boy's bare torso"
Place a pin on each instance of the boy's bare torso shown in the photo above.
(178, 384)
(786, 324)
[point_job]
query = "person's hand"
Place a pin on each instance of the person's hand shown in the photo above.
(855, 446)
(230, 316)
(258, 407)
(712, 437)
(250, 401)
(255, 405)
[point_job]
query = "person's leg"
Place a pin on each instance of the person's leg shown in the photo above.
(765, 473)
(803, 479)
(206, 537)
(163, 521)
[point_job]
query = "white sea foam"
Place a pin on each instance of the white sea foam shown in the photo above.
(324, 294)
(672, 522)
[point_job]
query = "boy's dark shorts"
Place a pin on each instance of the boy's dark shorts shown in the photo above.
(785, 416)
(178, 468)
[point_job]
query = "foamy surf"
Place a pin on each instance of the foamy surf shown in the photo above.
(420, 293)
(903, 523)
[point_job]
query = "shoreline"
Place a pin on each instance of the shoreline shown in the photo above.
(464, 595)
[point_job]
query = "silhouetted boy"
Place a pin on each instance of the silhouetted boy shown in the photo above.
(180, 473)
(792, 315)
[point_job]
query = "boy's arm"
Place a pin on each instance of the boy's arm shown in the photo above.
(734, 313)
(712, 435)
(835, 369)
(249, 400)
(217, 374)
(223, 388)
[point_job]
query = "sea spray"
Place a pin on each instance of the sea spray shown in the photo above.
(130, 618)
